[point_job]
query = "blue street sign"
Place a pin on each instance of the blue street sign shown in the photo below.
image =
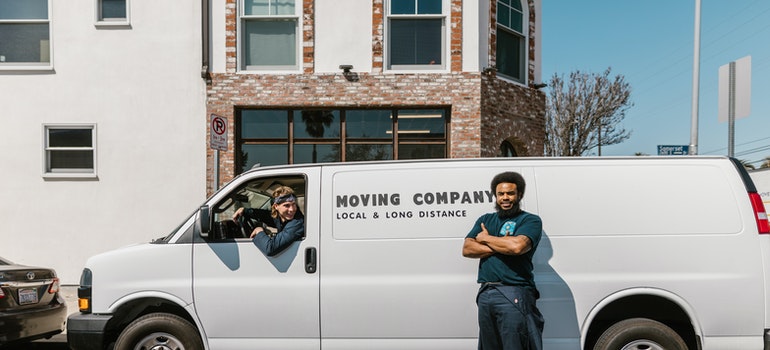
(673, 150)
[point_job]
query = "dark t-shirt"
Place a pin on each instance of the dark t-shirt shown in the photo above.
(509, 269)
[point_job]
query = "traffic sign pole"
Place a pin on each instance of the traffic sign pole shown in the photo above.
(218, 142)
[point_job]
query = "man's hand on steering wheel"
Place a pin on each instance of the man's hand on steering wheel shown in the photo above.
(256, 231)
(249, 227)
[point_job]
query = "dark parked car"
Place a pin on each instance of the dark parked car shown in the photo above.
(30, 304)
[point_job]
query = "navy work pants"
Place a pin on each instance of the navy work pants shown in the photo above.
(509, 318)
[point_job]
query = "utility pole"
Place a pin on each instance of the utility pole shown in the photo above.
(695, 83)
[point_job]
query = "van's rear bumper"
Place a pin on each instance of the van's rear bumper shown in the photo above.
(86, 331)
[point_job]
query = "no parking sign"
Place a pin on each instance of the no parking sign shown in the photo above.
(218, 131)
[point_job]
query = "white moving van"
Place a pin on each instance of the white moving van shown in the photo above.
(637, 253)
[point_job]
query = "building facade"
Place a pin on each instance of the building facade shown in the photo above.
(108, 104)
(300, 81)
(101, 102)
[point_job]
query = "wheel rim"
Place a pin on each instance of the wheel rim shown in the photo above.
(643, 344)
(159, 341)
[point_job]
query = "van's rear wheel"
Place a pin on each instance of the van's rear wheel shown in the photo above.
(159, 331)
(640, 334)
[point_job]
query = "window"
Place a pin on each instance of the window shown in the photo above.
(507, 150)
(111, 12)
(70, 150)
(257, 195)
(416, 34)
(269, 35)
(273, 137)
(511, 51)
(421, 134)
(25, 34)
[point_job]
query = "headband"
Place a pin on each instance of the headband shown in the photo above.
(285, 198)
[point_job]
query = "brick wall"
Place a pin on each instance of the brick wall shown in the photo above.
(461, 91)
(485, 111)
(511, 113)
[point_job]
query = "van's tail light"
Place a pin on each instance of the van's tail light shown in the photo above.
(54, 288)
(759, 213)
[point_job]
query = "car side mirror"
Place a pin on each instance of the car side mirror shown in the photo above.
(204, 221)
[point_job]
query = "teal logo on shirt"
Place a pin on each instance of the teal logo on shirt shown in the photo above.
(508, 228)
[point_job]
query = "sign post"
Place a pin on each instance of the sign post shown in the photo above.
(734, 96)
(218, 142)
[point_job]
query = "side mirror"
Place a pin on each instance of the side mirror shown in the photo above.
(204, 221)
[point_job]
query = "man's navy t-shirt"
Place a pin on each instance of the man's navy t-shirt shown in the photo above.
(513, 270)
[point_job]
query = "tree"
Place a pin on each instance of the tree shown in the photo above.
(316, 123)
(585, 112)
(765, 163)
(746, 164)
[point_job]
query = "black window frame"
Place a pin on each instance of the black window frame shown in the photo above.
(392, 141)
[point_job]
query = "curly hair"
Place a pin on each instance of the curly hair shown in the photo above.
(510, 177)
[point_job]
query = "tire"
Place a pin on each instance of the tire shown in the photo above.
(640, 334)
(161, 330)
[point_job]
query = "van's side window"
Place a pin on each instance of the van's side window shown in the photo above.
(256, 198)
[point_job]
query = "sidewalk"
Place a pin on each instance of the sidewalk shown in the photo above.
(70, 295)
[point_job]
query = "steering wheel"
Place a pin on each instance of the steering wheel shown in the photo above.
(248, 225)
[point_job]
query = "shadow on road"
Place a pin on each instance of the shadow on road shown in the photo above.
(57, 342)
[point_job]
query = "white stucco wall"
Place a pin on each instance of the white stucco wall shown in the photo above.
(141, 86)
(343, 35)
(472, 48)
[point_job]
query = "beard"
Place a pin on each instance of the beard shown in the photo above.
(507, 213)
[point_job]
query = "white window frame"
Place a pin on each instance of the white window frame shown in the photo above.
(64, 172)
(31, 66)
(99, 21)
(298, 33)
(524, 63)
(445, 27)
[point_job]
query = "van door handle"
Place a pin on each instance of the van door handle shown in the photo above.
(311, 258)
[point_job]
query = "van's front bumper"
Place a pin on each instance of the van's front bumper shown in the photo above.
(86, 331)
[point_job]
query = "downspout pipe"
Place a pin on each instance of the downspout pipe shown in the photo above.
(205, 40)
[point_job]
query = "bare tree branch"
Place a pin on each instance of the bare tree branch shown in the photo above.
(585, 112)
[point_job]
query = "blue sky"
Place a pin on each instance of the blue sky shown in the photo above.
(651, 43)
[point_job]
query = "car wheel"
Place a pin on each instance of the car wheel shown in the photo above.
(640, 334)
(159, 331)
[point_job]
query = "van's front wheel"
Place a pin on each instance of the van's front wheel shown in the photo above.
(638, 334)
(159, 331)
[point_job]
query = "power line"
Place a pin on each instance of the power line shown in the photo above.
(742, 144)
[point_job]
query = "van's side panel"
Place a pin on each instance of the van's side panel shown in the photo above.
(388, 273)
(680, 227)
(391, 254)
(611, 227)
